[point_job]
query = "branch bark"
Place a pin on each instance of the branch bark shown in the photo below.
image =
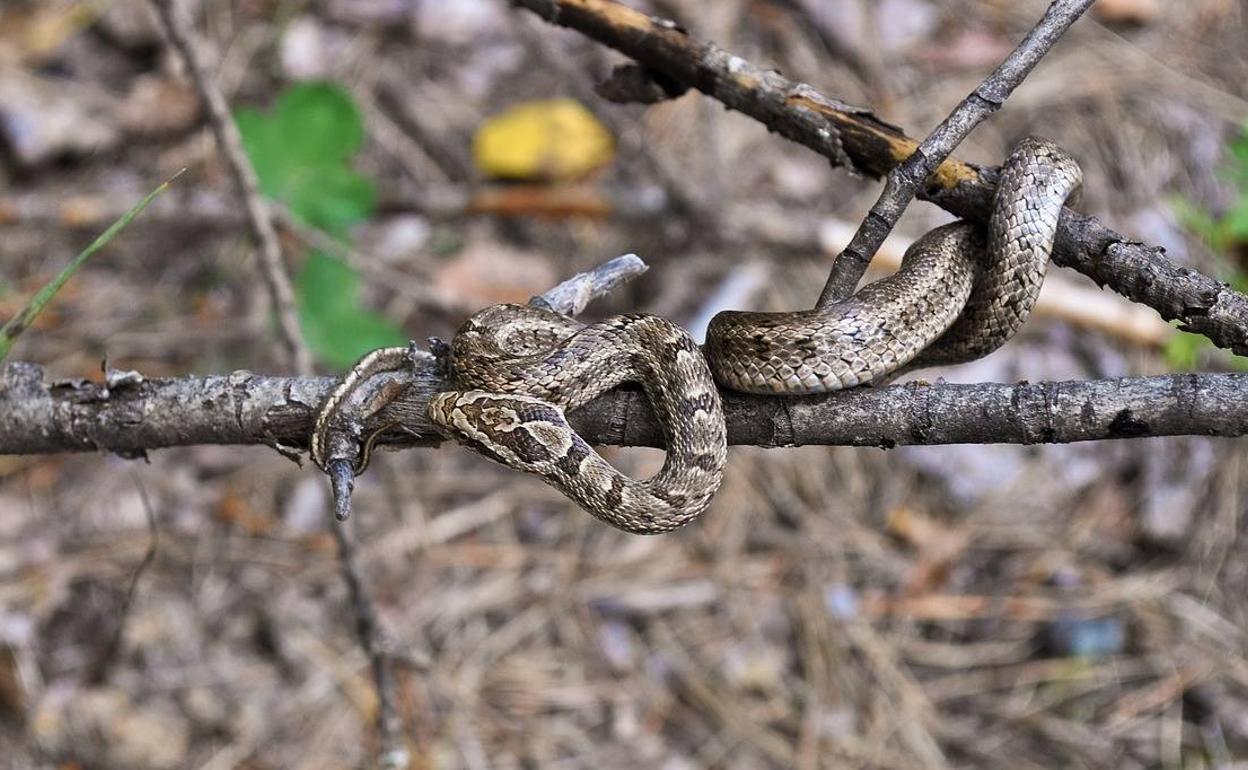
(854, 138)
(133, 415)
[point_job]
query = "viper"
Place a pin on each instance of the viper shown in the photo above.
(516, 370)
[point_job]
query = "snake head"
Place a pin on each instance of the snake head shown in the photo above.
(440, 411)
(459, 413)
(521, 431)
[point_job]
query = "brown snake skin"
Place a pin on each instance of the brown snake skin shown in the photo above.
(950, 302)
(527, 366)
(518, 369)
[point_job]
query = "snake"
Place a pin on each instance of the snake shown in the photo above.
(961, 291)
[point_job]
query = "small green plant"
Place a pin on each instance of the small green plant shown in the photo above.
(1224, 235)
(302, 151)
(22, 321)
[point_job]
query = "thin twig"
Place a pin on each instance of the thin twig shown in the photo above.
(904, 180)
(571, 296)
(106, 658)
(853, 137)
(393, 755)
(282, 297)
(272, 267)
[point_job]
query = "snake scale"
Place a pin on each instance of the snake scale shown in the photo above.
(959, 294)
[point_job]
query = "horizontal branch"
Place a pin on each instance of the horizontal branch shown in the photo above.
(131, 415)
(853, 137)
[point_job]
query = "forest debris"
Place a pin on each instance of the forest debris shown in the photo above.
(132, 24)
(487, 273)
(104, 726)
(42, 119)
(524, 577)
(971, 49)
(304, 50)
(14, 696)
(1127, 11)
(33, 35)
(157, 106)
(1175, 480)
(938, 544)
(1086, 636)
(899, 24)
(461, 23)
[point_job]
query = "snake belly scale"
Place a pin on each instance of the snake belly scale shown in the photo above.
(958, 295)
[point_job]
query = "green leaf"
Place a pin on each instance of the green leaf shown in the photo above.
(337, 329)
(331, 199)
(22, 321)
(262, 148)
(301, 154)
(1223, 233)
(319, 124)
(326, 285)
(1185, 352)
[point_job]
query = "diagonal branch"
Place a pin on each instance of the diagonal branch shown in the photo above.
(854, 138)
(904, 180)
(259, 216)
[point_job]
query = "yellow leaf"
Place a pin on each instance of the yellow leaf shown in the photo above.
(556, 139)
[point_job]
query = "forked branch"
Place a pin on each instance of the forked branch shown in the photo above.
(854, 138)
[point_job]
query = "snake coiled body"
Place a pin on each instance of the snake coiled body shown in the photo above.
(954, 298)
(523, 367)
(958, 295)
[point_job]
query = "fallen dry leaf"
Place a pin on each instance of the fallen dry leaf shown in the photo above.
(554, 139)
(485, 273)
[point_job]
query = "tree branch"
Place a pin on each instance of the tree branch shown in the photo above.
(134, 415)
(854, 138)
(904, 180)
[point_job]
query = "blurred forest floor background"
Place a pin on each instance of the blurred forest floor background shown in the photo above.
(967, 606)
